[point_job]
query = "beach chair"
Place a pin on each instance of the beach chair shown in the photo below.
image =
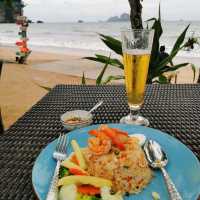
(1, 120)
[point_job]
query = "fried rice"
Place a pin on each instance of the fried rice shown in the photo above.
(128, 169)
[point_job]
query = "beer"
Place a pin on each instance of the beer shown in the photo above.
(136, 64)
(137, 45)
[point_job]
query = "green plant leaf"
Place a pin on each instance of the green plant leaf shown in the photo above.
(173, 68)
(112, 78)
(166, 61)
(46, 88)
(83, 81)
(112, 61)
(100, 77)
(180, 40)
(194, 71)
(112, 43)
(163, 79)
(156, 43)
(151, 19)
(177, 47)
(104, 59)
(8, 3)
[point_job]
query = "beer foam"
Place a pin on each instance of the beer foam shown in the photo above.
(137, 51)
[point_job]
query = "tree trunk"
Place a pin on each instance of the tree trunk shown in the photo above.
(9, 15)
(9, 11)
(136, 14)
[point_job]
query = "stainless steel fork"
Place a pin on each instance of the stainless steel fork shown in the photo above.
(59, 154)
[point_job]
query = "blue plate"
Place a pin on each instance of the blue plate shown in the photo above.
(183, 166)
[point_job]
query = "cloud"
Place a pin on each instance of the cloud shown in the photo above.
(92, 10)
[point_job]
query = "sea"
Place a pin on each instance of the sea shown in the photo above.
(65, 37)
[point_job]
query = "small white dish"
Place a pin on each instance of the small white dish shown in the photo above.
(84, 116)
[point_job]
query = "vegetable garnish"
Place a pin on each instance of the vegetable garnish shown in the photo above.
(75, 171)
(87, 197)
(88, 189)
(155, 196)
(63, 172)
(79, 154)
(70, 165)
(74, 159)
(68, 192)
(95, 181)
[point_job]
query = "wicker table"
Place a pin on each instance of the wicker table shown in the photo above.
(174, 109)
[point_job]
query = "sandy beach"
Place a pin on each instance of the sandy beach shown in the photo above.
(20, 90)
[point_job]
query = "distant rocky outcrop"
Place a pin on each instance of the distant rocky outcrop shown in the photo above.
(113, 19)
(40, 22)
(123, 17)
(80, 21)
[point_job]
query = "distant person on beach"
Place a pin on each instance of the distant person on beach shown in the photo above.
(163, 54)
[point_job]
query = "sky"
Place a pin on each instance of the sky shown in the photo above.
(95, 10)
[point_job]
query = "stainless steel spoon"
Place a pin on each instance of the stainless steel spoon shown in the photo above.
(96, 106)
(157, 159)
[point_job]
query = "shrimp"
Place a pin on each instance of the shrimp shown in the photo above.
(99, 145)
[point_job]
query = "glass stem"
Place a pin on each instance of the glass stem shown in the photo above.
(134, 113)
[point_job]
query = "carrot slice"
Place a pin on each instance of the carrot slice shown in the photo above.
(88, 189)
(74, 159)
(76, 172)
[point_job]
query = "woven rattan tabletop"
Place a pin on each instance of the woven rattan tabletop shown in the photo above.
(174, 109)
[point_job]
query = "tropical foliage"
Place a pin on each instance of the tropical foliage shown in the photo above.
(11, 9)
(157, 68)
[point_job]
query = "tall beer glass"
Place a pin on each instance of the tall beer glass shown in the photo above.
(136, 46)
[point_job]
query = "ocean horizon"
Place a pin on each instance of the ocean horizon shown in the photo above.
(66, 37)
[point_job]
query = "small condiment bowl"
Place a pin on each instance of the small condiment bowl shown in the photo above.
(84, 116)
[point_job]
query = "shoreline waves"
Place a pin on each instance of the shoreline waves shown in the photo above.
(84, 36)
